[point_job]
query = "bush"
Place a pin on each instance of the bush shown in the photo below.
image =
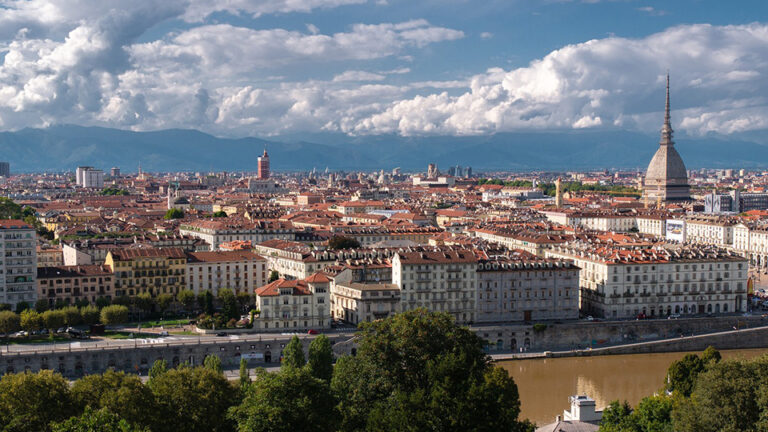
(115, 314)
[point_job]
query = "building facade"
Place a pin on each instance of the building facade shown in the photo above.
(240, 271)
(71, 284)
(148, 270)
(19, 268)
(294, 304)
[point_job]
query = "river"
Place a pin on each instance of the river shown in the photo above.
(545, 384)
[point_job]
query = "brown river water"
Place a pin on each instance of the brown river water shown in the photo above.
(545, 384)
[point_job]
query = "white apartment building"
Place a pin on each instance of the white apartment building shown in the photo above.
(19, 267)
(89, 177)
(216, 232)
(294, 304)
(526, 288)
(751, 241)
(620, 282)
(356, 302)
(652, 225)
(440, 280)
(709, 230)
(240, 271)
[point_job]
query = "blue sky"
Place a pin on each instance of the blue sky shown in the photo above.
(447, 67)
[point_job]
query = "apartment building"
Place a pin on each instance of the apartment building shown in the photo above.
(522, 287)
(355, 302)
(51, 256)
(289, 305)
(148, 270)
(440, 280)
(71, 284)
(618, 282)
(216, 232)
(240, 271)
(18, 244)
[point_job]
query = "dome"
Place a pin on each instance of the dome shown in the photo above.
(666, 166)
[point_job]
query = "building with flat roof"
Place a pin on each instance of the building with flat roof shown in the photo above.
(19, 268)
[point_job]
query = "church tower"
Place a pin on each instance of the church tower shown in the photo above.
(666, 178)
(263, 165)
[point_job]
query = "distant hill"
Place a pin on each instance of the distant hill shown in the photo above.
(60, 148)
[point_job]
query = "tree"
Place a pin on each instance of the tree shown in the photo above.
(419, 371)
(273, 276)
(9, 322)
(174, 213)
(96, 421)
(194, 400)
(711, 355)
(244, 300)
(164, 302)
(72, 315)
(320, 358)
(41, 305)
(342, 242)
(245, 378)
(103, 302)
(291, 400)
(21, 307)
(9, 209)
(144, 302)
(120, 393)
(205, 300)
(89, 314)
(54, 319)
(616, 417)
(114, 314)
(31, 401)
(213, 362)
(293, 354)
(654, 414)
(31, 320)
(682, 374)
(187, 299)
(220, 213)
(229, 304)
(158, 368)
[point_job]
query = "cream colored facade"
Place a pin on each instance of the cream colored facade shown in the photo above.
(694, 282)
(652, 225)
(290, 305)
(240, 271)
(355, 302)
(440, 281)
(711, 232)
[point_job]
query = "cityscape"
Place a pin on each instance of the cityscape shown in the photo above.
(388, 236)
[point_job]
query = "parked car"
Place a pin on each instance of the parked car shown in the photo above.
(220, 334)
(674, 316)
(313, 332)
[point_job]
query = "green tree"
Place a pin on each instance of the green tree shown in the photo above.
(31, 401)
(682, 374)
(41, 305)
(293, 354)
(205, 300)
(9, 322)
(72, 315)
(711, 355)
(419, 371)
(174, 213)
(654, 414)
(273, 276)
(342, 242)
(320, 358)
(164, 301)
(244, 300)
(54, 319)
(187, 299)
(144, 302)
(103, 302)
(114, 314)
(89, 314)
(229, 304)
(96, 421)
(245, 377)
(21, 307)
(193, 400)
(617, 418)
(291, 400)
(158, 368)
(120, 393)
(213, 362)
(31, 320)
(9, 209)
(219, 214)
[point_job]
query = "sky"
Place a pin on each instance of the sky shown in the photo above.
(366, 67)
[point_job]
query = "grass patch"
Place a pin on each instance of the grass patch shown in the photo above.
(183, 333)
(158, 323)
(112, 334)
(35, 340)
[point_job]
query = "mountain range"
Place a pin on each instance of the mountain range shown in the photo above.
(62, 148)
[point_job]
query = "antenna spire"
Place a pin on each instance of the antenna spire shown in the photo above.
(666, 129)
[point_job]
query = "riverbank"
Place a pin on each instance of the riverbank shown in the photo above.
(756, 337)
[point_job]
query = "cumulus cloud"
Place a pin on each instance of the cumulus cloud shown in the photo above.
(617, 82)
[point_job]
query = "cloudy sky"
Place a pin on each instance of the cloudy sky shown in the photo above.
(409, 67)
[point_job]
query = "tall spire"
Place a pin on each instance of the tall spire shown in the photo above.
(666, 129)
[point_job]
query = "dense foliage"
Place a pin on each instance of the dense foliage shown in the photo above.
(700, 394)
(342, 242)
(114, 192)
(413, 372)
(174, 213)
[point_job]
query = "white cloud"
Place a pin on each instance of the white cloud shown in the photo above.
(200, 9)
(486, 35)
(356, 75)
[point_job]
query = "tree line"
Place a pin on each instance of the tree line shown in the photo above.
(701, 393)
(415, 371)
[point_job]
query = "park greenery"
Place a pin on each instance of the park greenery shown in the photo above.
(174, 213)
(114, 192)
(342, 242)
(415, 371)
(499, 182)
(702, 393)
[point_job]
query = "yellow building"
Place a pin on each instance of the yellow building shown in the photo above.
(156, 271)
